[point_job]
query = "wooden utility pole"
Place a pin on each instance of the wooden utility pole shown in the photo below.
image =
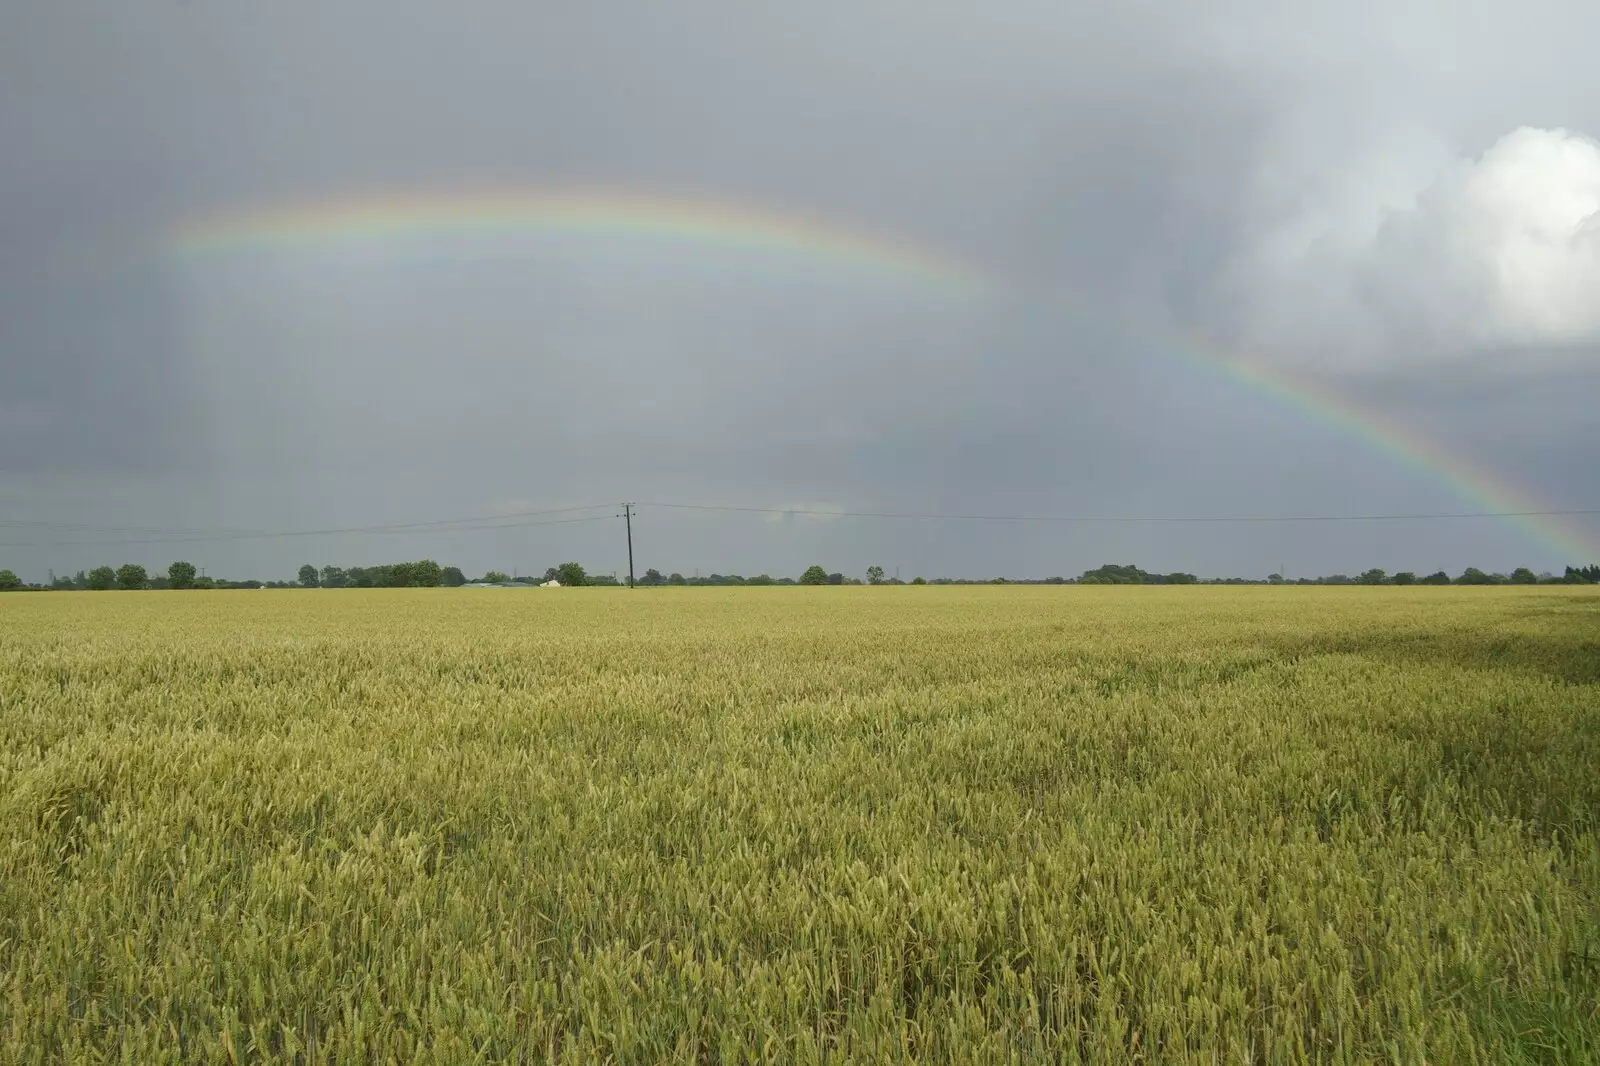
(627, 516)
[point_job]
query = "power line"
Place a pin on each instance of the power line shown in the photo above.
(464, 525)
(1120, 519)
(87, 528)
(513, 520)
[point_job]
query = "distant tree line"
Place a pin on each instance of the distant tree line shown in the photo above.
(184, 575)
(1112, 574)
(653, 577)
(565, 574)
(1585, 575)
(425, 573)
(1132, 575)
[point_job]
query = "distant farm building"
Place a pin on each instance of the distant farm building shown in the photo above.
(552, 584)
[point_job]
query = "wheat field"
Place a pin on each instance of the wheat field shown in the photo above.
(1007, 825)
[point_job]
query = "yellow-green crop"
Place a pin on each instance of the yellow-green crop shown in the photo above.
(1161, 825)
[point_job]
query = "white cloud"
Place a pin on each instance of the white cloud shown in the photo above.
(1495, 254)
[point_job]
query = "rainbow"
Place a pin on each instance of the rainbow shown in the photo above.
(499, 213)
(431, 218)
(1538, 520)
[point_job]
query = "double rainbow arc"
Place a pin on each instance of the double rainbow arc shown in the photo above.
(731, 228)
(500, 213)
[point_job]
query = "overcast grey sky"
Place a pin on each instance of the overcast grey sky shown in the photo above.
(1397, 202)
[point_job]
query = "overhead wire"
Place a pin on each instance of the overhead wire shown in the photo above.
(515, 520)
(817, 512)
(472, 524)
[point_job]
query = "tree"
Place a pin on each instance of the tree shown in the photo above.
(453, 577)
(918, 581)
(652, 576)
(1523, 576)
(1473, 576)
(495, 577)
(814, 575)
(334, 577)
(102, 578)
(570, 574)
(309, 577)
(1438, 577)
(424, 573)
(874, 575)
(835, 579)
(1112, 574)
(1405, 577)
(180, 575)
(676, 579)
(9, 582)
(1375, 576)
(131, 576)
(1275, 579)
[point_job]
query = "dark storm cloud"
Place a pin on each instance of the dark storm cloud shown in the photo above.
(94, 383)
(1102, 165)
